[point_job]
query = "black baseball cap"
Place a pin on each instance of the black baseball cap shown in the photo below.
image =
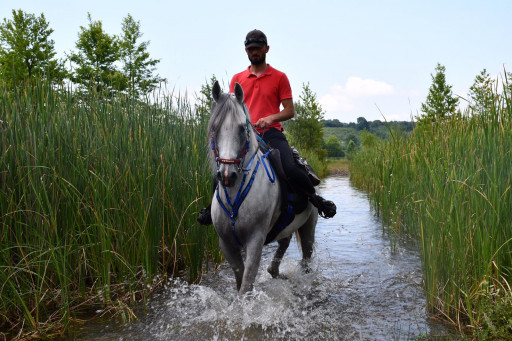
(255, 38)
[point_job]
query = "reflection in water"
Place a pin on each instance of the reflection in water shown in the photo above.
(358, 289)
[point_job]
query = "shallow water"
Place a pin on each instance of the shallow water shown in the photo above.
(361, 287)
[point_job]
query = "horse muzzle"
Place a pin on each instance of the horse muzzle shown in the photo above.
(227, 175)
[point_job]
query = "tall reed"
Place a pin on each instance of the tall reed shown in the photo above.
(449, 186)
(98, 199)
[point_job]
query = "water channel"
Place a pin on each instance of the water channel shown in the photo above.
(361, 287)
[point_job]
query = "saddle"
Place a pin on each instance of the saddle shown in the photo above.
(302, 162)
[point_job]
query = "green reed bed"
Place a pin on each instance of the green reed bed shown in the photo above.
(98, 200)
(449, 186)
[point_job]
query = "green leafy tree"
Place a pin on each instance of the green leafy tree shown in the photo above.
(368, 140)
(440, 101)
(26, 50)
(138, 67)
(376, 124)
(96, 60)
(332, 123)
(205, 99)
(481, 93)
(353, 138)
(333, 147)
(351, 149)
(306, 128)
(362, 124)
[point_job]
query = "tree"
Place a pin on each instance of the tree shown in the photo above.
(204, 102)
(440, 101)
(26, 51)
(306, 129)
(96, 57)
(375, 125)
(368, 140)
(138, 67)
(332, 123)
(353, 138)
(351, 149)
(481, 93)
(362, 124)
(333, 147)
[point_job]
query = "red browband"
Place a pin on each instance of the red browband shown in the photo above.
(229, 161)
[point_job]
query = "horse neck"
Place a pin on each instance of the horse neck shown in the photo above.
(253, 142)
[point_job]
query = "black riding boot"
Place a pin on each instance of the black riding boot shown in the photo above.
(205, 215)
(326, 208)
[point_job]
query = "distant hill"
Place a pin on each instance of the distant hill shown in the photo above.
(350, 131)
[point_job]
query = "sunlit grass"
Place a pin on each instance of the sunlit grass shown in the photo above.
(338, 166)
(98, 200)
(449, 187)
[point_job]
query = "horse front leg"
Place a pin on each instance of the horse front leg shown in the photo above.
(234, 258)
(273, 268)
(252, 263)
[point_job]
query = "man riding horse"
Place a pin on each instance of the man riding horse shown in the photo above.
(265, 89)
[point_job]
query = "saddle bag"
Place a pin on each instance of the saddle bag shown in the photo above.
(302, 162)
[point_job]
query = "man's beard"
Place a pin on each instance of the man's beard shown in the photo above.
(257, 60)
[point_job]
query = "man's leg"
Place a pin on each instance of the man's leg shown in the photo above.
(297, 175)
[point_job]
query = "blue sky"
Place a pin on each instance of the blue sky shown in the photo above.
(361, 58)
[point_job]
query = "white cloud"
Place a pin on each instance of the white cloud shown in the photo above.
(359, 87)
(345, 98)
(337, 100)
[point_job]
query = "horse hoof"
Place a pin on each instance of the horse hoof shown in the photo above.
(306, 267)
(273, 273)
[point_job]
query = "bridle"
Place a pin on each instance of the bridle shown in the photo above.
(240, 160)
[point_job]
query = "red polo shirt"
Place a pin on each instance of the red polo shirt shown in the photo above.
(263, 94)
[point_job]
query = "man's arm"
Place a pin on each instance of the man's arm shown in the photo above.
(284, 115)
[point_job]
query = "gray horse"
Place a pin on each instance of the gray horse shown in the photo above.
(247, 201)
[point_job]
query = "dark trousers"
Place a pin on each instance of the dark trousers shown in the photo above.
(296, 175)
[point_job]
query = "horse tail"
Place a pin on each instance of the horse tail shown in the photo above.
(299, 240)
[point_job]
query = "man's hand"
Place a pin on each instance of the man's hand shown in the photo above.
(285, 114)
(264, 122)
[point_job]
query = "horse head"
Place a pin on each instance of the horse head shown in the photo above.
(229, 133)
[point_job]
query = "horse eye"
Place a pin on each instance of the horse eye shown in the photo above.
(241, 129)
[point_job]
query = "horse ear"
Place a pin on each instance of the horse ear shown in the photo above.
(216, 91)
(239, 93)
